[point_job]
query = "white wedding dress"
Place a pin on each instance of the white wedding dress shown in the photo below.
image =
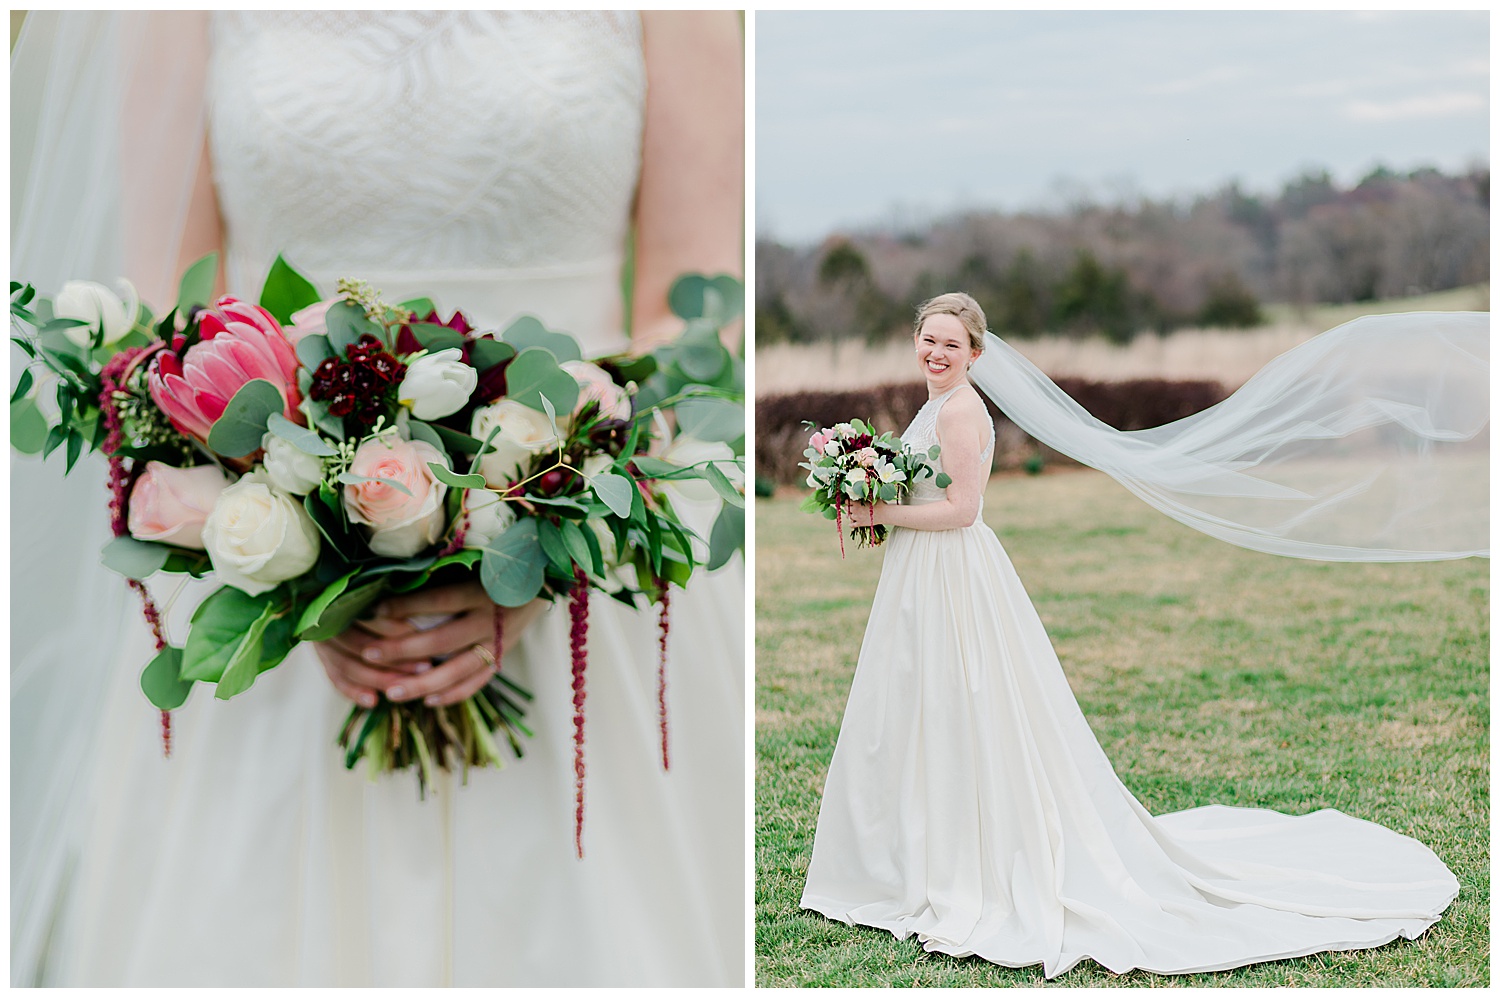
(488, 160)
(969, 803)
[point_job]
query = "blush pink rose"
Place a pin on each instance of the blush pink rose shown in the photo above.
(819, 441)
(595, 385)
(170, 505)
(310, 321)
(400, 524)
(867, 456)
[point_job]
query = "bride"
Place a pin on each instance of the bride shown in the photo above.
(498, 162)
(968, 802)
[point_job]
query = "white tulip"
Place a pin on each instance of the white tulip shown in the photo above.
(291, 469)
(487, 518)
(98, 306)
(524, 433)
(259, 536)
(438, 384)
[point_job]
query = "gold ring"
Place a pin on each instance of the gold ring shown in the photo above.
(488, 657)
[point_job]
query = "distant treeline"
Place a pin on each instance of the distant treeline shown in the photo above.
(1148, 265)
(781, 437)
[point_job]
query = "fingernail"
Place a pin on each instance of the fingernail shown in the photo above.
(432, 701)
(374, 655)
(396, 692)
(423, 666)
(368, 699)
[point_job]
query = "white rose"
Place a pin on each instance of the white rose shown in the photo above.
(832, 449)
(857, 476)
(524, 432)
(487, 517)
(291, 470)
(100, 307)
(258, 536)
(438, 384)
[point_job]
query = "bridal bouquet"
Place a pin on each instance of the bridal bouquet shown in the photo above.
(315, 454)
(849, 464)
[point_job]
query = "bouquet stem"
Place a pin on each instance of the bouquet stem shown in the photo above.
(664, 624)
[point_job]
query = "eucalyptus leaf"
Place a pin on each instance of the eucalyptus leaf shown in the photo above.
(654, 467)
(701, 356)
(238, 432)
(299, 437)
(513, 568)
(719, 299)
(434, 336)
(533, 373)
(420, 430)
(162, 681)
(726, 537)
(614, 491)
(528, 331)
(419, 307)
(197, 285)
(453, 479)
(313, 349)
(286, 291)
(134, 559)
(346, 323)
(711, 419)
(943, 480)
(485, 353)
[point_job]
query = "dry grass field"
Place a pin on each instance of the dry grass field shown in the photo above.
(1227, 356)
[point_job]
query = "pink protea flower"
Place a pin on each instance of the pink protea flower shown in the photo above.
(239, 342)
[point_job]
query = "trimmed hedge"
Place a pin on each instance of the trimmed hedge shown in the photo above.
(780, 436)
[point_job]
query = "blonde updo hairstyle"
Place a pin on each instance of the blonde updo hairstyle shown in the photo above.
(961, 307)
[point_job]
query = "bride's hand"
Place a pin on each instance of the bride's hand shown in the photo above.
(387, 654)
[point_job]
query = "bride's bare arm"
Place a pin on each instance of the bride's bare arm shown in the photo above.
(689, 210)
(963, 429)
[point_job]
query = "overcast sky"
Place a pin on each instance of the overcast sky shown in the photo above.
(862, 117)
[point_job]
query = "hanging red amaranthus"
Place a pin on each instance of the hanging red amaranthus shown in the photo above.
(113, 377)
(664, 625)
(578, 610)
(497, 621)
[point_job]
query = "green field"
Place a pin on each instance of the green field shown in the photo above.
(1210, 674)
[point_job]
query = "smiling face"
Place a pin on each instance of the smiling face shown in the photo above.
(944, 351)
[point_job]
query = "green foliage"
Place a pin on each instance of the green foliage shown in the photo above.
(197, 285)
(1230, 305)
(286, 291)
(513, 567)
(162, 681)
(239, 431)
(535, 373)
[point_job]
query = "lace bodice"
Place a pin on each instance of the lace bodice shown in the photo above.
(489, 155)
(921, 434)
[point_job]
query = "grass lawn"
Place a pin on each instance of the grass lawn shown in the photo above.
(1210, 674)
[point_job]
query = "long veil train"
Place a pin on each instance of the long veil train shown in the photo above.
(1369, 442)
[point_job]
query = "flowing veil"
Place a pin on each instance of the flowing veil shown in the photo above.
(1369, 442)
(101, 103)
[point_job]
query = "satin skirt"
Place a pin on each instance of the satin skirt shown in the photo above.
(969, 804)
(253, 857)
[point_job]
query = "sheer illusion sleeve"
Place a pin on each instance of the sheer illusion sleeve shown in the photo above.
(106, 132)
